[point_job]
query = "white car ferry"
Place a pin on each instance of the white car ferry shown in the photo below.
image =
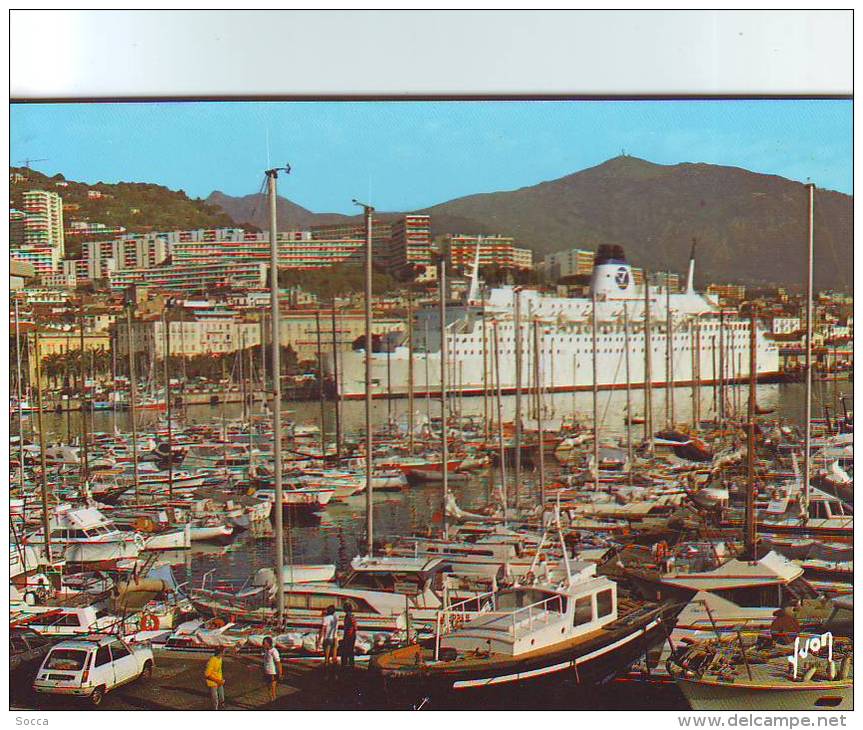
(707, 343)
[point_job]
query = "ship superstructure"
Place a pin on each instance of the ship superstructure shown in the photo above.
(708, 345)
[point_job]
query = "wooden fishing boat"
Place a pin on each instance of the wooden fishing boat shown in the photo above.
(526, 634)
(754, 673)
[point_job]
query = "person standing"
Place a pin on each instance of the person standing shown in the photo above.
(327, 636)
(349, 638)
(215, 681)
(272, 666)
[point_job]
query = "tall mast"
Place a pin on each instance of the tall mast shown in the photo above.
(722, 369)
(537, 354)
(595, 393)
(133, 396)
(320, 381)
(168, 402)
(749, 536)
(410, 374)
(85, 437)
(367, 211)
(18, 395)
(518, 431)
(336, 388)
(648, 369)
(694, 365)
(499, 402)
(443, 391)
(426, 358)
(46, 526)
(809, 294)
(272, 176)
(669, 354)
(484, 376)
(628, 388)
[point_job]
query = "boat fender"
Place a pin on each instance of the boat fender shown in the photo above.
(809, 674)
(139, 541)
(845, 667)
(150, 622)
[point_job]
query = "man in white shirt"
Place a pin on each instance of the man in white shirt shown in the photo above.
(272, 666)
(327, 636)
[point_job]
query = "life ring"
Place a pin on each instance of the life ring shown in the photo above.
(216, 623)
(150, 622)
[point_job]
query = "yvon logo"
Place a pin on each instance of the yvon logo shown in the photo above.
(813, 644)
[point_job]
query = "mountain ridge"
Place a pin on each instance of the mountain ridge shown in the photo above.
(750, 227)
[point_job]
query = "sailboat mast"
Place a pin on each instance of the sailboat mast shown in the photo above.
(595, 393)
(537, 380)
(320, 380)
(367, 211)
(167, 353)
(336, 388)
(669, 354)
(443, 393)
(410, 374)
(18, 395)
(484, 377)
(809, 294)
(749, 537)
(648, 369)
(85, 437)
(133, 396)
(518, 430)
(628, 388)
(272, 176)
(46, 527)
(499, 402)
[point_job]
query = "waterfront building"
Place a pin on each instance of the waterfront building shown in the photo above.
(36, 237)
(194, 278)
(498, 251)
(411, 250)
(727, 294)
(43, 225)
(574, 262)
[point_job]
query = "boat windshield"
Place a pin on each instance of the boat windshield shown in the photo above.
(515, 599)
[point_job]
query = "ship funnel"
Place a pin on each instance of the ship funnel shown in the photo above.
(690, 277)
(612, 276)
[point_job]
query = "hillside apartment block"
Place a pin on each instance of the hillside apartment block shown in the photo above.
(36, 232)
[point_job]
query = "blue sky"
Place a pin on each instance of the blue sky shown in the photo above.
(407, 155)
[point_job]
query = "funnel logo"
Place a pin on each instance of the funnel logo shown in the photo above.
(622, 277)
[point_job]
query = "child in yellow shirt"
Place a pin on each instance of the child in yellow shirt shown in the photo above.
(213, 675)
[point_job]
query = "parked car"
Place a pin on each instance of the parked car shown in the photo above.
(27, 649)
(93, 666)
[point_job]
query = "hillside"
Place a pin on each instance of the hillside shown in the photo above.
(252, 209)
(750, 227)
(137, 207)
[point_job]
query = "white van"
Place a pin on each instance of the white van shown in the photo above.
(93, 665)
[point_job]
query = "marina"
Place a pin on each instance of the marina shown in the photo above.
(520, 427)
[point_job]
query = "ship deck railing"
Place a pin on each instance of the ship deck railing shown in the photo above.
(514, 622)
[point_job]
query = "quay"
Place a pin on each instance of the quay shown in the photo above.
(178, 684)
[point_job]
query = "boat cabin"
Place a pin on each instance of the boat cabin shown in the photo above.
(524, 619)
